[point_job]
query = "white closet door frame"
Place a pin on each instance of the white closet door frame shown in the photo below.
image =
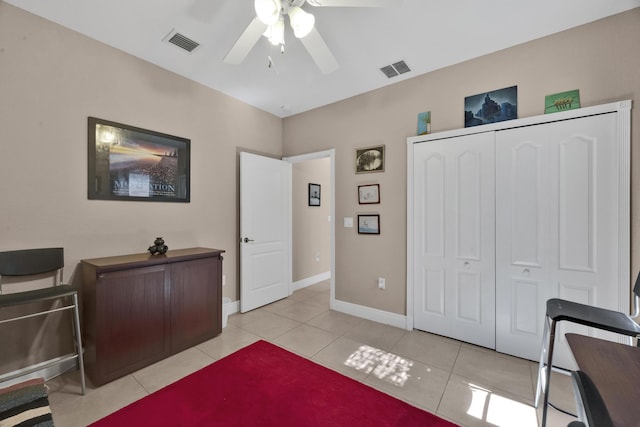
(623, 143)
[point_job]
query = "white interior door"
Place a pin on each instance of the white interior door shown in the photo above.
(265, 230)
(454, 238)
(557, 232)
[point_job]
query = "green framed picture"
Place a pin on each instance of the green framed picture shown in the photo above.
(562, 101)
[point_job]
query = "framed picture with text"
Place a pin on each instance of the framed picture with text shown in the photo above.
(134, 164)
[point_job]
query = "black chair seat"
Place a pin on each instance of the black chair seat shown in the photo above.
(595, 317)
(26, 297)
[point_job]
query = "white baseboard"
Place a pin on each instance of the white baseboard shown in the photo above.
(228, 308)
(311, 280)
(373, 314)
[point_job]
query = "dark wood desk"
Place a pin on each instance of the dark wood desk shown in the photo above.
(615, 370)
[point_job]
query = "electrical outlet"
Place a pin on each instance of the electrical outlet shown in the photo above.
(317, 256)
(224, 279)
(381, 283)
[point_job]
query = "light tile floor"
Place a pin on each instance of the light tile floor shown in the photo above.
(466, 384)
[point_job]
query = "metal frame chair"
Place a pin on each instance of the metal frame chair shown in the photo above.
(34, 262)
(583, 314)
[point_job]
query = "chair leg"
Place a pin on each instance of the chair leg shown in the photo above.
(548, 368)
(541, 365)
(79, 349)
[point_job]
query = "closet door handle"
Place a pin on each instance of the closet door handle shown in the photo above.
(467, 264)
(526, 272)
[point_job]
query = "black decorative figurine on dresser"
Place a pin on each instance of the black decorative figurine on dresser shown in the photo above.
(158, 248)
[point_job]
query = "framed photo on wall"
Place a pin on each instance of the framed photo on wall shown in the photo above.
(314, 194)
(134, 164)
(370, 159)
(369, 194)
(368, 224)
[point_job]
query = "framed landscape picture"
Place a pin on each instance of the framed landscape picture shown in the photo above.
(369, 224)
(369, 194)
(370, 159)
(491, 107)
(134, 164)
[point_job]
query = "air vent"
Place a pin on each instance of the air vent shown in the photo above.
(395, 69)
(182, 41)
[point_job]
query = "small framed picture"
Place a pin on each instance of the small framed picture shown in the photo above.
(369, 194)
(370, 159)
(314, 194)
(424, 123)
(562, 101)
(368, 224)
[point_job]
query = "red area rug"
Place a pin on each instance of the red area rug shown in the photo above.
(265, 385)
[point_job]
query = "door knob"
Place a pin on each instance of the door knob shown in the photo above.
(247, 240)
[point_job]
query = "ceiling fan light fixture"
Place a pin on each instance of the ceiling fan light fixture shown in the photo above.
(301, 22)
(268, 11)
(275, 32)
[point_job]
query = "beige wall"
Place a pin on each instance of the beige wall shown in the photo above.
(600, 59)
(51, 80)
(311, 227)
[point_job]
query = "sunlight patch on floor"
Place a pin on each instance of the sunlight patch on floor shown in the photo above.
(499, 410)
(384, 365)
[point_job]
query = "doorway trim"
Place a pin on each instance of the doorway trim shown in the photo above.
(331, 154)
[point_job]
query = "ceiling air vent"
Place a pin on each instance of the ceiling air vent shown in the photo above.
(182, 41)
(395, 69)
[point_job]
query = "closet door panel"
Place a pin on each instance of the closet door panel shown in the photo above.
(433, 205)
(525, 188)
(454, 254)
(556, 218)
(467, 206)
(522, 238)
(576, 199)
(585, 259)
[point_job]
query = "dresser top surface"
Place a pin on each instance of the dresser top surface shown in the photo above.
(146, 258)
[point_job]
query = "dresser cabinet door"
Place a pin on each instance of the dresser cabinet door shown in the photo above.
(132, 320)
(196, 311)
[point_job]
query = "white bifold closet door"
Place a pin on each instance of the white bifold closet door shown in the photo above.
(454, 236)
(556, 228)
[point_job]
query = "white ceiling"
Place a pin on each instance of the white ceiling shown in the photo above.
(426, 34)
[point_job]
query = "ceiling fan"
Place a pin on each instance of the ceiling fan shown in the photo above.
(269, 22)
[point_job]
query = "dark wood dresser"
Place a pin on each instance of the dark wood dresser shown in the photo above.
(138, 309)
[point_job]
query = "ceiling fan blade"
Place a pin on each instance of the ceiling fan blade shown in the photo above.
(319, 51)
(245, 43)
(355, 3)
